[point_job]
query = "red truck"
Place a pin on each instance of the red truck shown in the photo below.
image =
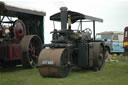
(125, 42)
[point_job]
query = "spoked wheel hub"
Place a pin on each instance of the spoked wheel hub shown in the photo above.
(32, 53)
(31, 46)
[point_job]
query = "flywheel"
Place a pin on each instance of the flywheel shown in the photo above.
(19, 30)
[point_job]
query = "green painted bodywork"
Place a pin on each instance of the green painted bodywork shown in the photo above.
(34, 25)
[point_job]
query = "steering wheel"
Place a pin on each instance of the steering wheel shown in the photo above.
(88, 30)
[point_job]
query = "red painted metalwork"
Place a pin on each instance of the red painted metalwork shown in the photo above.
(0, 51)
(126, 34)
(14, 51)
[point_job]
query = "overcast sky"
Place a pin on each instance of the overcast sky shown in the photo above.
(113, 12)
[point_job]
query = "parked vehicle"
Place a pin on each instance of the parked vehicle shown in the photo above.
(113, 41)
(71, 48)
(125, 42)
(21, 35)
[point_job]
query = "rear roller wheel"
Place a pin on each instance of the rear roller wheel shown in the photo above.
(31, 47)
(64, 67)
(54, 63)
(99, 56)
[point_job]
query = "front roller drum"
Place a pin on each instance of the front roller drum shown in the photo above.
(53, 62)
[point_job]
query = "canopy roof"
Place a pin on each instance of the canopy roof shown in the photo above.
(13, 11)
(110, 32)
(75, 16)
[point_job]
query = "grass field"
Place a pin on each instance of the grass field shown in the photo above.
(112, 74)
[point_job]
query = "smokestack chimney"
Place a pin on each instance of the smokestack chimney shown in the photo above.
(63, 18)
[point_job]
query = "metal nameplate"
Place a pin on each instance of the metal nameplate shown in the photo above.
(48, 62)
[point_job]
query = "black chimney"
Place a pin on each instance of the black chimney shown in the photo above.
(63, 18)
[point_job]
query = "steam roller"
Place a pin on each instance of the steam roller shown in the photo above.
(71, 48)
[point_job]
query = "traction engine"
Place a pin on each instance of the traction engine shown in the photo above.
(15, 46)
(21, 36)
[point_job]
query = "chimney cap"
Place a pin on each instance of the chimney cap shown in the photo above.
(63, 8)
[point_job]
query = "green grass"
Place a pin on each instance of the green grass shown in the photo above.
(112, 74)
